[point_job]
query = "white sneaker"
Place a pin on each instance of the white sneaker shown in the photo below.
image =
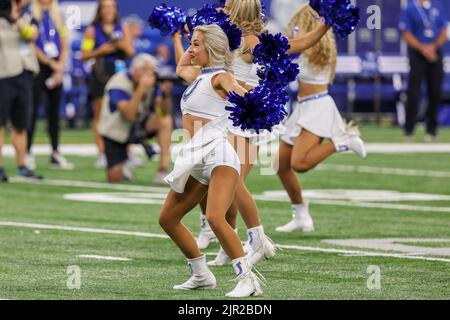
(30, 161)
(160, 176)
(220, 260)
(266, 250)
(127, 173)
(206, 281)
(206, 235)
(58, 161)
(100, 163)
(247, 247)
(134, 161)
(202, 277)
(357, 146)
(306, 224)
(301, 220)
(351, 141)
(248, 285)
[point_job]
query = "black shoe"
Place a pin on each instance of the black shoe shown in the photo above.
(24, 172)
(3, 176)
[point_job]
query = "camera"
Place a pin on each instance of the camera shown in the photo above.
(5, 8)
(167, 77)
(116, 36)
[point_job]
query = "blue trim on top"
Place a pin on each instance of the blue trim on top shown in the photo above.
(213, 69)
(115, 96)
(190, 90)
(314, 97)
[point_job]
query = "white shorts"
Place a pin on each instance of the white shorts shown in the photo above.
(317, 114)
(222, 155)
(261, 138)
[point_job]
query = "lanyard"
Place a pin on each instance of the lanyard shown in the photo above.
(425, 19)
(49, 36)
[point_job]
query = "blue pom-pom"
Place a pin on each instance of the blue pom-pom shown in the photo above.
(281, 73)
(271, 48)
(209, 15)
(260, 109)
(341, 15)
(264, 106)
(277, 65)
(167, 19)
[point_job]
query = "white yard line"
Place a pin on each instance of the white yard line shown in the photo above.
(395, 148)
(403, 207)
(162, 190)
(90, 150)
(359, 204)
(92, 185)
(88, 230)
(153, 235)
(362, 253)
(385, 171)
(91, 256)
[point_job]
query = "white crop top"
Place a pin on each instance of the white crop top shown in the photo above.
(201, 100)
(245, 72)
(312, 75)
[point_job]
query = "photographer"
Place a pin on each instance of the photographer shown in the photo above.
(18, 64)
(132, 102)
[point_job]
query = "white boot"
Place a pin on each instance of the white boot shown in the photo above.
(262, 247)
(220, 260)
(206, 234)
(301, 220)
(247, 246)
(101, 162)
(58, 161)
(248, 283)
(351, 141)
(202, 277)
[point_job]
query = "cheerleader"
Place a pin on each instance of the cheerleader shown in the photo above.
(207, 163)
(315, 119)
(246, 14)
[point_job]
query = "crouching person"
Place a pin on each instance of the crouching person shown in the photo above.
(128, 96)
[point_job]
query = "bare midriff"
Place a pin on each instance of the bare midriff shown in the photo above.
(193, 123)
(306, 89)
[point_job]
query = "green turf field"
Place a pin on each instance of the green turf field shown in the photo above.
(34, 259)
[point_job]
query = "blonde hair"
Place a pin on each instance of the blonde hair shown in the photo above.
(217, 46)
(246, 14)
(36, 10)
(322, 54)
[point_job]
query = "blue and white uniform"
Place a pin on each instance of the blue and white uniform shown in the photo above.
(318, 113)
(209, 148)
